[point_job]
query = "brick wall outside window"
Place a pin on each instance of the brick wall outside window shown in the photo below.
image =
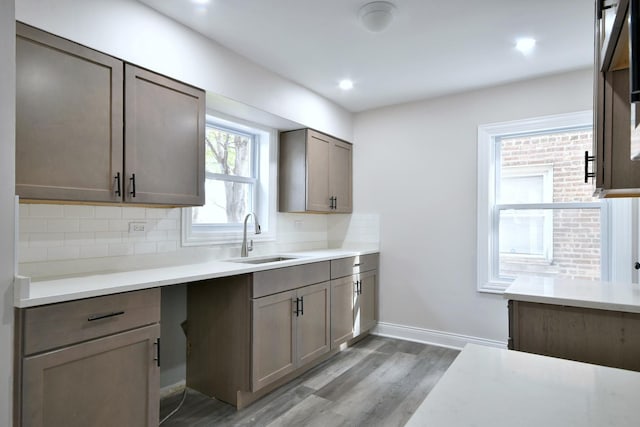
(576, 232)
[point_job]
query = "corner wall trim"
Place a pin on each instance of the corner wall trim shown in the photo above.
(428, 336)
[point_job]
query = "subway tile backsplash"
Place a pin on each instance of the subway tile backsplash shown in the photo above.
(64, 232)
(68, 239)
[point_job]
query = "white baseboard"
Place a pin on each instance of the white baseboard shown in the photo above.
(172, 389)
(428, 336)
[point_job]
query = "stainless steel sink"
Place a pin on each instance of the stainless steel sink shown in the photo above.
(262, 260)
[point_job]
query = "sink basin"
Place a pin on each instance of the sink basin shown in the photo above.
(263, 260)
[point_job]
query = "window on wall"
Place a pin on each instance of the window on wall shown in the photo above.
(239, 178)
(536, 215)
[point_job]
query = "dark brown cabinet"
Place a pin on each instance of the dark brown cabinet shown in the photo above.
(90, 362)
(602, 337)
(90, 128)
(610, 162)
(315, 173)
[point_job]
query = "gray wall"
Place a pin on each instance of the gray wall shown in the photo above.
(7, 179)
(415, 164)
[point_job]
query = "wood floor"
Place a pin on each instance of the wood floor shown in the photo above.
(377, 382)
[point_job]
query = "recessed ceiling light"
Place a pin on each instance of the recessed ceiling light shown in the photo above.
(200, 2)
(345, 84)
(525, 45)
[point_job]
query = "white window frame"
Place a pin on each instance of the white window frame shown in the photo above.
(264, 188)
(488, 279)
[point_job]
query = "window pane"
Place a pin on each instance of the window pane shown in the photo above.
(228, 153)
(226, 203)
(550, 242)
(522, 189)
(523, 232)
(562, 153)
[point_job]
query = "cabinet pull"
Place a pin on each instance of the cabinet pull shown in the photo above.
(331, 202)
(117, 179)
(297, 310)
(104, 316)
(301, 306)
(157, 356)
(587, 174)
(634, 49)
(133, 185)
(335, 202)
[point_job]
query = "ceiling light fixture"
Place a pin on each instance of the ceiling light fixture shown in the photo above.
(345, 84)
(376, 16)
(525, 45)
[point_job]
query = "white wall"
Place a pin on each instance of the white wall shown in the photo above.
(136, 33)
(7, 179)
(415, 164)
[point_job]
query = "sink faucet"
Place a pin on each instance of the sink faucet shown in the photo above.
(244, 251)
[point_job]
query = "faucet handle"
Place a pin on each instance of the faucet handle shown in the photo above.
(250, 246)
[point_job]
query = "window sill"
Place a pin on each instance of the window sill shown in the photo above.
(230, 238)
(494, 287)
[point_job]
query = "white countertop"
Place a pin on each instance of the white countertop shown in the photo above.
(496, 387)
(29, 293)
(577, 293)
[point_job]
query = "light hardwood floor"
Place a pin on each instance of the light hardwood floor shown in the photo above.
(377, 382)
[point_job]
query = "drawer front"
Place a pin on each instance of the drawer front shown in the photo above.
(353, 265)
(66, 323)
(285, 279)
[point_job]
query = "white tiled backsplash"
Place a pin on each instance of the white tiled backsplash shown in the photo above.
(62, 232)
(67, 239)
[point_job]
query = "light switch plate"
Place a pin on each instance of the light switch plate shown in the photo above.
(137, 228)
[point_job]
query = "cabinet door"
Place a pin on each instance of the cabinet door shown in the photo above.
(164, 134)
(364, 310)
(340, 176)
(112, 381)
(68, 119)
(273, 334)
(342, 299)
(313, 322)
(318, 149)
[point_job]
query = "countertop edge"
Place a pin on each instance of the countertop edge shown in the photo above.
(28, 293)
(600, 295)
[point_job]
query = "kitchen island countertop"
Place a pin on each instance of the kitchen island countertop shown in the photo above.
(613, 296)
(495, 387)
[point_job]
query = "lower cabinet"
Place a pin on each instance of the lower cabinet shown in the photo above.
(353, 297)
(602, 337)
(102, 369)
(290, 329)
(247, 332)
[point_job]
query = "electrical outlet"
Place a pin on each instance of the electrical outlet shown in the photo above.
(137, 228)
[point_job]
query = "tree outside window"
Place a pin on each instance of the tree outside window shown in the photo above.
(231, 173)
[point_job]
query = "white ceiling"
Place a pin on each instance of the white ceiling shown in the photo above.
(431, 48)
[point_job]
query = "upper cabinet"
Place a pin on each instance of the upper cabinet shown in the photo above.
(90, 128)
(315, 173)
(164, 140)
(611, 164)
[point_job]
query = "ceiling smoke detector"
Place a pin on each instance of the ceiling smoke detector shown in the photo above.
(377, 15)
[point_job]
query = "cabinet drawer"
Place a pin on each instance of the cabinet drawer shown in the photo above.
(66, 323)
(353, 265)
(285, 279)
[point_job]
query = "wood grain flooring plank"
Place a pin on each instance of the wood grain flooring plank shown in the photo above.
(377, 382)
(377, 390)
(313, 411)
(402, 400)
(323, 374)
